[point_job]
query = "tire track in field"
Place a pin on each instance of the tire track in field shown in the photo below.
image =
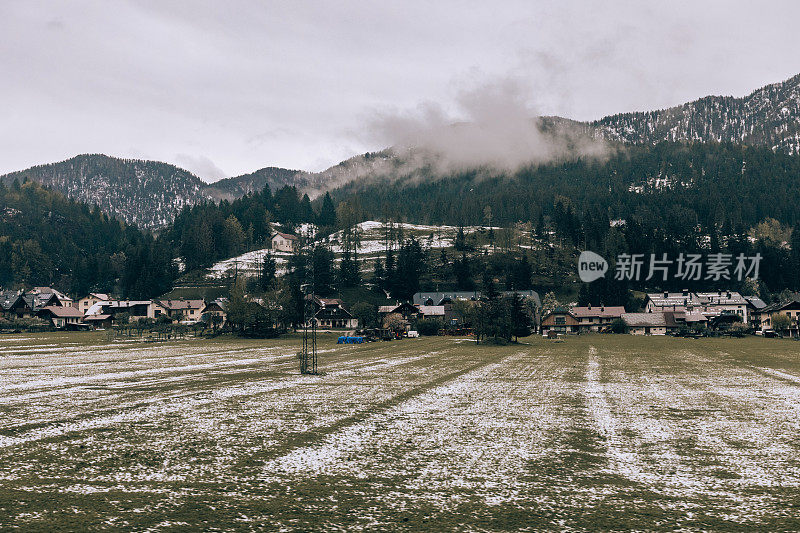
(702, 427)
(159, 407)
(621, 462)
(317, 436)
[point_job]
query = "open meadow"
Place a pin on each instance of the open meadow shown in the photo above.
(597, 432)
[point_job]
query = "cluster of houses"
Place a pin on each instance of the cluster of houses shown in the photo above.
(668, 312)
(664, 312)
(97, 310)
(331, 313)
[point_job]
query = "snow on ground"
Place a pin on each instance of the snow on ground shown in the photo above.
(595, 433)
(249, 263)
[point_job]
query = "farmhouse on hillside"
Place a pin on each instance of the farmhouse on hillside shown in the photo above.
(283, 242)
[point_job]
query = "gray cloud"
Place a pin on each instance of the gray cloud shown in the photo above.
(200, 166)
(494, 126)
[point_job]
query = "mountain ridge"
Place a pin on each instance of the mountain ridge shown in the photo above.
(150, 193)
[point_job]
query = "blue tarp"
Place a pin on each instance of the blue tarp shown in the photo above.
(350, 340)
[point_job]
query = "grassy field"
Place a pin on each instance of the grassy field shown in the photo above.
(595, 433)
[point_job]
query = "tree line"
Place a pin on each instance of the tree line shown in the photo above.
(49, 240)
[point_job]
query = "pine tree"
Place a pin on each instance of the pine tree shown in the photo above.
(327, 213)
(268, 270)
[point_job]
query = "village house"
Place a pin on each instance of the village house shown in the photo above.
(657, 302)
(332, 313)
(186, 311)
(406, 312)
(216, 312)
(724, 302)
(655, 323)
(433, 312)
(711, 304)
(99, 321)
(596, 318)
(283, 242)
(51, 296)
(7, 299)
(789, 308)
(560, 320)
(18, 307)
(62, 316)
(754, 307)
(93, 298)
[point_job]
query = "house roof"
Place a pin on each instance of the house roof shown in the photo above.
(694, 316)
(673, 299)
(8, 298)
(96, 317)
(178, 305)
(648, 319)
(100, 307)
(222, 303)
(98, 296)
(50, 290)
(721, 298)
(287, 236)
(63, 311)
(431, 310)
(397, 308)
(598, 311)
(326, 302)
(780, 305)
(756, 302)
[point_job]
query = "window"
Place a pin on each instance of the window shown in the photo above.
(561, 320)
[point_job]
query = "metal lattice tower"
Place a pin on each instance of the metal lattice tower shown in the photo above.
(308, 354)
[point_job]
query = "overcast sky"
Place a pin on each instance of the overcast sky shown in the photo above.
(224, 88)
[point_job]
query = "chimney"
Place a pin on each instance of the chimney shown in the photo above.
(729, 295)
(602, 308)
(589, 307)
(685, 293)
(666, 294)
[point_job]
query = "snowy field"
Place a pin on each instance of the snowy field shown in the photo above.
(596, 433)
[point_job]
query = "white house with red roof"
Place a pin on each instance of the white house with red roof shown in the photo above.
(284, 242)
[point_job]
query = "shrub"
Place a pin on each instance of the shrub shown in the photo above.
(427, 326)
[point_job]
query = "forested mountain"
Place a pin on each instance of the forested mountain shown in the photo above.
(769, 117)
(145, 193)
(274, 177)
(676, 185)
(47, 239)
